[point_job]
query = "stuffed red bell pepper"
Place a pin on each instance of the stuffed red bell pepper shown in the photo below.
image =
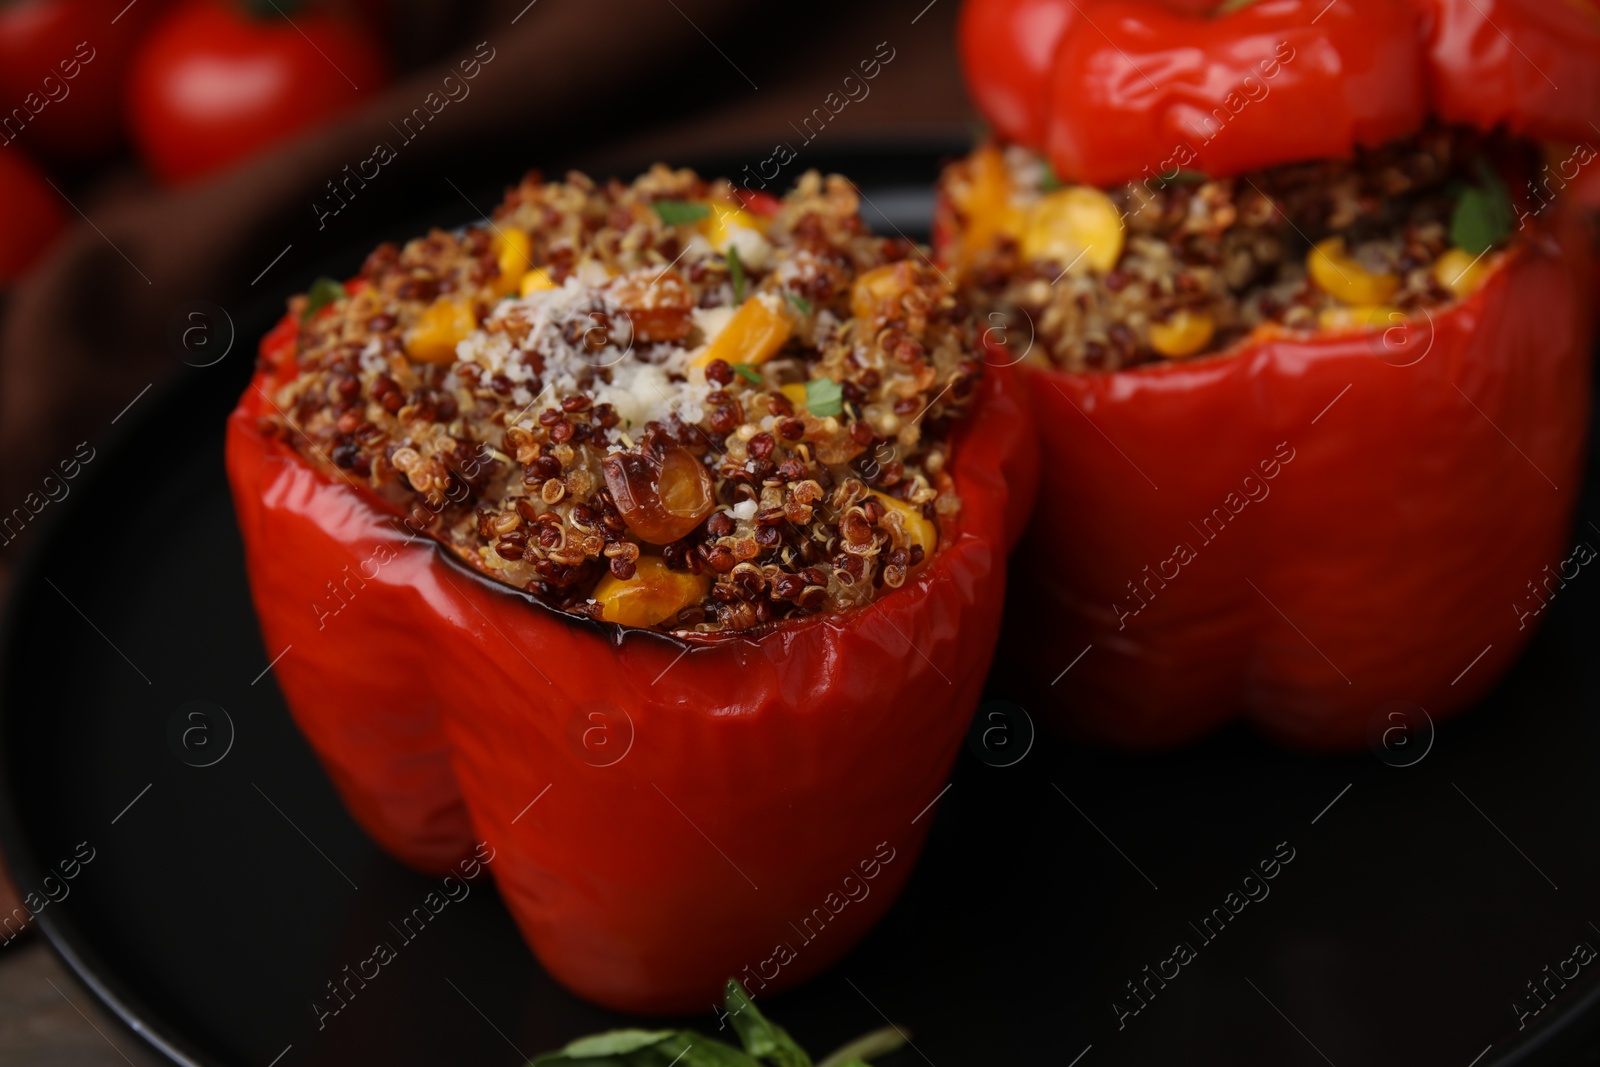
(654, 534)
(1312, 377)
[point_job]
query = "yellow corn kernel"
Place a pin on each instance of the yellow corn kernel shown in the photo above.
(724, 219)
(880, 287)
(796, 392)
(1184, 334)
(754, 335)
(1364, 317)
(653, 595)
(1459, 272)
(513, 253)
(987, 205)
(536, 280)
(1077, 227)
(447, 321)
(920, 530)
(1341, 277)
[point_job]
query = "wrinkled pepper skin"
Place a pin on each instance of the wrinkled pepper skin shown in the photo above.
(1143, 90)
(1378, 506)
(665, 812)
(1531, 65)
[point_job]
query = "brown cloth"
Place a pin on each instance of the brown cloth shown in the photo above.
(606, 84)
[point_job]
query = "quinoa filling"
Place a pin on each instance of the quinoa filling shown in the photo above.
(1168, 269)
(665, 404)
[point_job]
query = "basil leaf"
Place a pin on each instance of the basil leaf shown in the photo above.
(824, 397)
(701, 1051)
(614, 1042)
(762, 1037)
(801, 303)
(1482, 217)
(736, 272)
(323, 291)
(748, 372)
(646, 1048)
(678, 212)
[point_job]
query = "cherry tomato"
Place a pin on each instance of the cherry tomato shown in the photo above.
(30, 214)
(212, 85)
(1533, 65)
(1142, 91)
(62, 66)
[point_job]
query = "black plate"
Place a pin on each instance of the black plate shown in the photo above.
(1419, 900)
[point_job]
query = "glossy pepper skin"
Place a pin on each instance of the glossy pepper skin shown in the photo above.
(1305, 529)
(1531, 65)
(1143, 90)
(662, 808)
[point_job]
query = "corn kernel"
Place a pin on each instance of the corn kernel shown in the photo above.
(920, 530)
(653, 595)
(1459, 272)
(536, 280)
(1340, 276)
(754, 335)
(1364, 317)
(446, 322)
(719, 226)
(796, 393)
(1077, 227)
(1184, 334)
(513, 254)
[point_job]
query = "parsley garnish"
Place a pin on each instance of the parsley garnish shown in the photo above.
(323, 291)
(824, 397)
(747, 371)
(801, 303)
(1482, 217)
(678, 212)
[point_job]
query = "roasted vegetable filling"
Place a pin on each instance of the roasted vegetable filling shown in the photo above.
(667, 404)
(1179, 265)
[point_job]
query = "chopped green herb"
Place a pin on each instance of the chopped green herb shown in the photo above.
(1482, 218)
(1232, 5)
(323, 291)
(801, 303)
(678, 212)
(1049, 181)
(748, 372)
(1190, 177)
(736, 272)
(824, 397)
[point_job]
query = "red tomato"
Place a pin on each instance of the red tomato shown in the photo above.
(1142, 91)
(62, 65)
(1533, 65)
(30, 214)
(212, 85)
